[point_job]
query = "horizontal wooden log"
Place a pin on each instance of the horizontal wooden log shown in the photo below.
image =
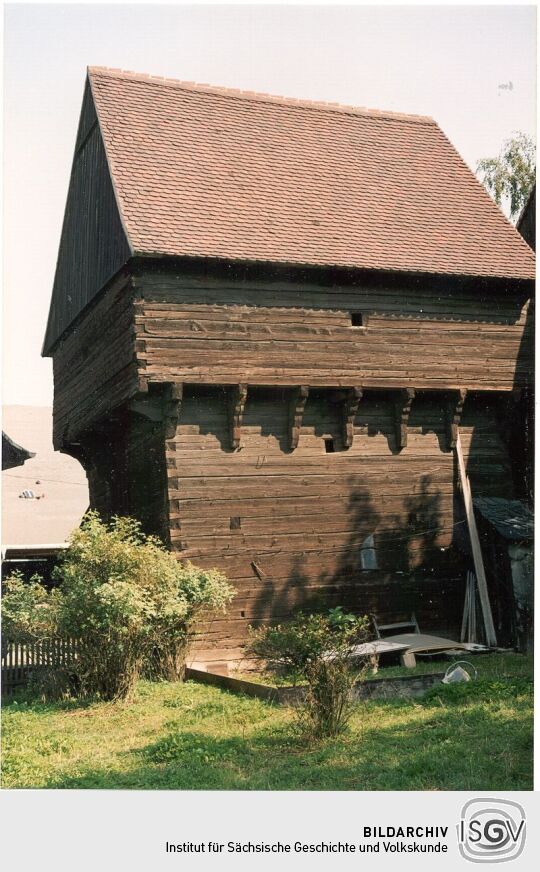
(301, 516)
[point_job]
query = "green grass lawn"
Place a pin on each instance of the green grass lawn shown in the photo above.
(487, 665)
(191, 736)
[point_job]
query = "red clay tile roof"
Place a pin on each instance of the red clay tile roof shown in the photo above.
(215, 173)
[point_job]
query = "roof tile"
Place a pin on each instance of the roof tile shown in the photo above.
(218, 173)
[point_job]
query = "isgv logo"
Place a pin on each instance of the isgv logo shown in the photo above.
(491, 830)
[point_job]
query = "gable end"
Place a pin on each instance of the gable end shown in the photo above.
(93, 244)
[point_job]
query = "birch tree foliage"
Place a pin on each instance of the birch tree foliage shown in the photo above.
(510, 176)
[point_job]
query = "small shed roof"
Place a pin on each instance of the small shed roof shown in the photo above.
(13, 454)
(208, 172)
(512, 519)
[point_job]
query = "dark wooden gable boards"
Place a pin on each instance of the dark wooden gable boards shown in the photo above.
(93, 244)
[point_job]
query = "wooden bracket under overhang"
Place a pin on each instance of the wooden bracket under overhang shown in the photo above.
(297, 404)
(350, 408)
(160, 404)
(236, 402)
(454, 411)
(402, 411)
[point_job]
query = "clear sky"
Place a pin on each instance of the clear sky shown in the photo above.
(449, 62)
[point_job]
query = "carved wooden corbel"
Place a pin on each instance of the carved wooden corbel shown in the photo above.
(161, 404)
(172, 403)
(142, 383)
(454, 412)
(350, 408)
(235, 407)
(297, 405)
(402, 412)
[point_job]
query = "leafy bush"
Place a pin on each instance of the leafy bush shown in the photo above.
(321, 650)
(30, 614)
(124, 598)
(29, 610)
(198, 590)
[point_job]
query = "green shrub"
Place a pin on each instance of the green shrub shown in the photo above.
(30, 614)
(199, 590)
(29, 610)
(125, 599)
(321, 650)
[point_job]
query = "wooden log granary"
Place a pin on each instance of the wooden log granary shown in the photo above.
(268, 365)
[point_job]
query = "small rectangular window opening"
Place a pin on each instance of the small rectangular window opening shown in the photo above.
(357, 319)
(329, 445)
(368, 554)
(235, 523)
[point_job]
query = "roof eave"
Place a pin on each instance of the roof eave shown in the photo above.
(345, 267)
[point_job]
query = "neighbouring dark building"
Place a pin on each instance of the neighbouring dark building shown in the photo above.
(506, 530)
(526, 224)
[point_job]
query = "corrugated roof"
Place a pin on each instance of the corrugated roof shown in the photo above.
(57, 479)
(215, 173)
(511, 518)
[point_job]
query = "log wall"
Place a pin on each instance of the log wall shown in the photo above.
(95, 367)
(126, 472)
(288, 528)
(93, 245)
(197, 330)
(241, 485)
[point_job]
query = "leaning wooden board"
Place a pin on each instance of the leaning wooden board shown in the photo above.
(491, 637)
